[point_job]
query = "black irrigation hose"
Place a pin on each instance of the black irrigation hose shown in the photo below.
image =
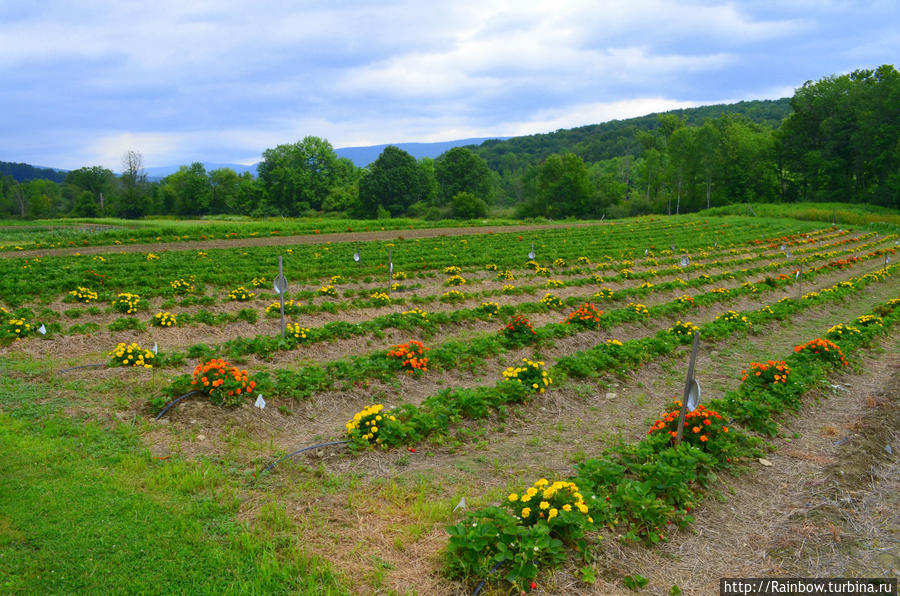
(481, 585)
(98, 365)
(289, 455)
(173, 402)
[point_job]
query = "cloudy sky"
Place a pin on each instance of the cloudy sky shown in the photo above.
(221, 81)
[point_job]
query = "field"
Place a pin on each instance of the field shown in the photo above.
(125, 438)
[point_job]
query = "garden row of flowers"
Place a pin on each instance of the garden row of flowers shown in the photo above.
(644, 491)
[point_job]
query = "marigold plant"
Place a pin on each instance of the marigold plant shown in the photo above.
(586, 316)
(258, 282)
(518, 330)
(638, 309)
(297, 333)
(83, 295)
(597, 278)
(685, 299)
(131, 355)
(328, 290)
(508, 289)
(455, 280)
(339, 279)
(452, 296)
(489, 309)
(380, 298)
(240, 294)
(371, 426)
(416, 313)
(183, 285)
(411, 356)
(768, 373)
(826, 350)
(583, 261)
(554, 283)
(604, 294)
(14, 328)
(126, 303)
(530, 374)
(223, 383)
(559, 504)
(490, 267)
(869, 321)
(646, 285)
(683, 329)
(701, 427)
(399, 276)
(841, 331)
(290, 308)
(731, 316)
(164, 319)
(559, 262)
(506, 275)
(452, 270)
(542, 271)
(551, 301)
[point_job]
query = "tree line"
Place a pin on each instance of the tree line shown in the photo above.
(836, 139)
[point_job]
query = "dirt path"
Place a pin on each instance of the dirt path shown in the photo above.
(291, 240)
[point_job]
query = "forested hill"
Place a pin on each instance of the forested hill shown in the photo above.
(597, 142)
(22, 172)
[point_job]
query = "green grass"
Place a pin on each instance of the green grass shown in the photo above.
(844, 213)
(85, 509)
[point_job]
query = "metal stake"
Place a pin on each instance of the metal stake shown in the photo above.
(687, 387)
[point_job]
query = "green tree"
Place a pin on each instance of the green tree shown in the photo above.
(97, 180)
(187, 191)
(461, 170)
(465, 205)
(299, 177)
(392, 182)
(132, 200)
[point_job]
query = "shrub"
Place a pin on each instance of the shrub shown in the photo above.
(223, 383)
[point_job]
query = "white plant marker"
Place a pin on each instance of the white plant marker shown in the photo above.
(260, 402)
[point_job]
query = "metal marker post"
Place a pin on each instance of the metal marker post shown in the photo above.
(356, 256)
(531, 254)
(687, 387)
(390, 270)
(800, 280)
(280, 285)
(887, 260)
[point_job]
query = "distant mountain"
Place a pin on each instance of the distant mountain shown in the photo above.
(22, 172)
(363, 156)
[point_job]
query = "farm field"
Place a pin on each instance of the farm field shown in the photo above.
(456, 373)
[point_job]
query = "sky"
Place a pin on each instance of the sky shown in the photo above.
(82, 83)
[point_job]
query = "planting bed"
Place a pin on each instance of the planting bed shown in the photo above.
(474, 406)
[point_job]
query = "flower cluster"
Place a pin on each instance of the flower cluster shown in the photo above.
(554, 283)
(455, 280)
(586, 315)
(604, 294)
(452, 296)
(559, 504)
(583, 261)
(646, 285)
(731, 316)
(750, 286)
(551, 301)
(544, 271)
(240, 294)
(490, 267)
(164, 319)
(339, 279)
(840, 331)
(258, 282)
(84, 295)
(719, 291)
(596, 278)
(411, 356)
(14, 327)
(452, 270)
(559, 262)
(869, 321)
(127, 303)
(369, 425)
(183, 285)
(518, 329)
(296, 332)
(508, 289)
(399, 276)
(489, 309)
(700, 426)
(531, 375)
(683, 329)
(223, 383)
(152, 256)
(328, 290)
(416, 313)
(825, 349)
(685, 299)
(769, 373)
(380, 298)
(638, 309)
(290, 308)
(131, 355)
(533, 265)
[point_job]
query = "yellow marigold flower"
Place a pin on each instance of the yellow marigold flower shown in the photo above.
(526, 512)
(544, 505)
(513, 497)
(567, 507)
(552, 513)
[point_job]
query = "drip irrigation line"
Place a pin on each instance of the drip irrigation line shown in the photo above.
(481, 585)
(289, 455)
(98, 365)
(173, 402)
